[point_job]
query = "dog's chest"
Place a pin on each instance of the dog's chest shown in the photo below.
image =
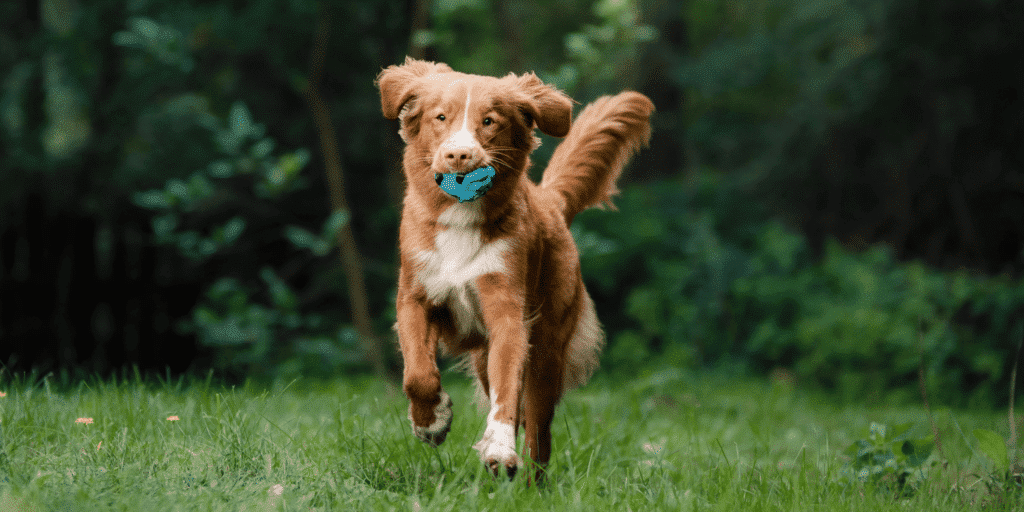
(449, 270)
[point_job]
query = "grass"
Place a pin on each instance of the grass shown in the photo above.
(665, 441)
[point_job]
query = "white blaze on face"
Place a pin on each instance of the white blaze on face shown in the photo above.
(463, 138)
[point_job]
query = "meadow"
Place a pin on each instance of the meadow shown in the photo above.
(664, 440)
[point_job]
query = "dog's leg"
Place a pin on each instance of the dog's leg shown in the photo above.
(430, 408)
(502, 310)
(543, 390)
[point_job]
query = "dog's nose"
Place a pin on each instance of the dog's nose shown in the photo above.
(458, 158)
(460, 152)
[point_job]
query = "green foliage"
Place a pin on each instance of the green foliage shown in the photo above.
(841, 114)
(162, 42)
(249, 319)
(1006, 474)
(994, 447)
(242, 320)
(320, 244)
(158, 183)
(137, 121)
(715, 281)
(585, 48)
(602, 55)
(245, 153)
(888, 459)
(766, 78)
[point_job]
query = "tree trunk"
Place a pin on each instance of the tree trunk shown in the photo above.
(350, 259)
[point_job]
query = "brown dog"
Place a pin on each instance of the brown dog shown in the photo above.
(498, 277)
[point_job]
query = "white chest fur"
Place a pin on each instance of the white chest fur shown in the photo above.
(448, 272)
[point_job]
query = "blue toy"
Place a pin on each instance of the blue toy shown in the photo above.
(468, 187)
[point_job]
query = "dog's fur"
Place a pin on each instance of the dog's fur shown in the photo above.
(498, 278)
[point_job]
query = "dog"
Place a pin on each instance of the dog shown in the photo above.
(496, 277)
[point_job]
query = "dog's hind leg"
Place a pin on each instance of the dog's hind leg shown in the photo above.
(543, 390)
(478, 365)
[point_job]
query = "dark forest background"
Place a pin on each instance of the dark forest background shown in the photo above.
(834, 191)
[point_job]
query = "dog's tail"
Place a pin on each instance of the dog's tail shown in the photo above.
(585, 166)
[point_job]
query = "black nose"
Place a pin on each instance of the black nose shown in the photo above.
(438, 178)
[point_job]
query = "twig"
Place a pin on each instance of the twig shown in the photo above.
(1012, 442)
(924, 389)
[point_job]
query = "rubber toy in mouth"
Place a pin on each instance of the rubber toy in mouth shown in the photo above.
(466, 188)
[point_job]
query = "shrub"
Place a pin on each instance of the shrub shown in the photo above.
(717, 281)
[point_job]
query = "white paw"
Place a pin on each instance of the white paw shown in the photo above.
(435, 433)
(498, 447)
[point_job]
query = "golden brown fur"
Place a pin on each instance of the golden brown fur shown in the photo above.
(498, 278)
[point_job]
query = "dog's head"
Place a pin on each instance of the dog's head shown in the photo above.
(455, 123)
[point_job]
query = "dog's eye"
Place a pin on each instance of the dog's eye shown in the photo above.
(488, 121)
(440, 117)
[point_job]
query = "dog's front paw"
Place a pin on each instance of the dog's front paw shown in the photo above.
(498, 451)
(435, 433)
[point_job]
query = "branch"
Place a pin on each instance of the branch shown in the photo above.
(350, 258)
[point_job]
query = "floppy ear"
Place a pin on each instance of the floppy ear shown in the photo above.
(398, 84)
(549, 107)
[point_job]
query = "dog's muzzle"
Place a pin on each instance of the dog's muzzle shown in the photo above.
(466, 187)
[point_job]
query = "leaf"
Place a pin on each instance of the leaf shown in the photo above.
(223, 287)
(300, 237)
(852, 451)
(205, 316)
(917, 450)
(898, 430)
(262, 148)
(127, 39)
(177, 189)
(993, 446)
(206, 247)
(864, 449)
(333, 224)
(281, 295)
(164, 225)
(220, 169)
(321, 248)
(232, 230)
(199, 187)
(240, 120)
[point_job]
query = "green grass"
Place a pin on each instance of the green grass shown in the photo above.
(665, 441)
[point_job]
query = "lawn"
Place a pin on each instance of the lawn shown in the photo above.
(668, 440)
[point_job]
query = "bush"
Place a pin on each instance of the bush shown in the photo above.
(719, 282)
(874, 120)
(250, 321)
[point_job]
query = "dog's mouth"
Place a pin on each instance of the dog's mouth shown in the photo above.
(466, 186)
(459, 177)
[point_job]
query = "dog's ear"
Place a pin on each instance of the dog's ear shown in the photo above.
(549, 107)
(398, 84)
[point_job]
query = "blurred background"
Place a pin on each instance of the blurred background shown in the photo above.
(834, 194)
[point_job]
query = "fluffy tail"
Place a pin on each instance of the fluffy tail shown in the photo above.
(585, 166)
